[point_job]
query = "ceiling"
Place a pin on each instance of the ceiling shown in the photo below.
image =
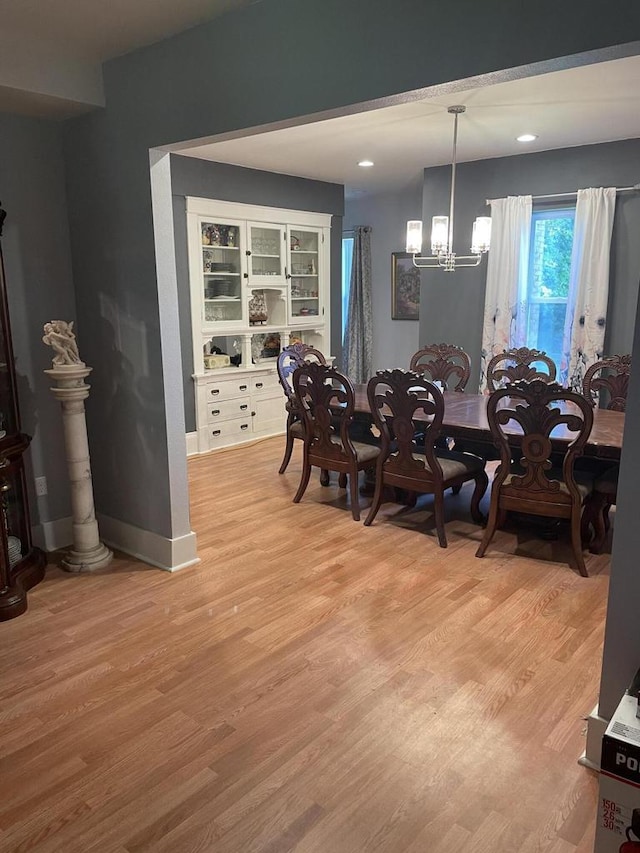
(578, 106)
(96, 31)
(51, 51)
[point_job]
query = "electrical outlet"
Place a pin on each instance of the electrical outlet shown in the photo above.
(41, 486)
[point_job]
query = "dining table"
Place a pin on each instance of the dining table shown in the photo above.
(465, 417)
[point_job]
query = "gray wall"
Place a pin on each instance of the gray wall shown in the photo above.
(454, 302)
(37, 260)
(394, 341)
(193, 177)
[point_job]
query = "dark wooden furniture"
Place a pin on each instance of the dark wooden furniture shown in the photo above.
(518, 364)
(610, 375)
(445, 363)
(325, 398)
(395, 396)
(605, 382)
(21, 565)
(465, 416)
(290, 358)
(526, 482)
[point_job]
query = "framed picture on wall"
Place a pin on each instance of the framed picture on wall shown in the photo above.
(405, 287)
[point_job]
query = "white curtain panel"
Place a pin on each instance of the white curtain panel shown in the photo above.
(504, 319)
(586, 316)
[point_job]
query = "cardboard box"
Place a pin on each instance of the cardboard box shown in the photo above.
(618, 827)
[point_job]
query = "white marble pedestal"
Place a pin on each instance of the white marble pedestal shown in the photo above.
(87, 552)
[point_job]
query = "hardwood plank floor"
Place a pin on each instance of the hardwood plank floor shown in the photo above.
(312, 685)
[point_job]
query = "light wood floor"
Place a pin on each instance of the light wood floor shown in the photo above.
(311, 685)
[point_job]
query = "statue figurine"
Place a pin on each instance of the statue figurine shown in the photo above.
(58, 334)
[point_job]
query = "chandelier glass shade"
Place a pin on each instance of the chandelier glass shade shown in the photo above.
(442, 254)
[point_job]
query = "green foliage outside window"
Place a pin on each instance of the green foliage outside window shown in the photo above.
(551, 244)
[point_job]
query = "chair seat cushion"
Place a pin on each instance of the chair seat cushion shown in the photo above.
(455, 464)
(584, 480)
(297, 429)
(607, 483)
(366, 452)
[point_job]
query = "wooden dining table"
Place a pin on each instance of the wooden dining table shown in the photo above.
(465, 417)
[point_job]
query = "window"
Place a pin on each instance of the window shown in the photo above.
(548, 279)
(347, 260)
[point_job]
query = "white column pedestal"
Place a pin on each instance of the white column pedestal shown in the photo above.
(87, 552)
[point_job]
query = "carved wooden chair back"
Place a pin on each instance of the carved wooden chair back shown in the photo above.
(522, 417)
(396, 397)
(401, 403)
(518, 365)
(610, 375)
(325, 398)
(445, 363)
(289, 359)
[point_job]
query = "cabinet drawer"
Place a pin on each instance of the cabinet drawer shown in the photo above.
(222, 410)
(266, 382)
(229, 432)
(227, 389)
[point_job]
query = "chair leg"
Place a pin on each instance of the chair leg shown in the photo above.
(438, 511)
(355, 495)
(599, 510)
(587, 520)
(482, 481)
(576, 544)
(492, 524)
(287, 452)
(377, 499)
(304, 480)
(324, 477)
(342, 480)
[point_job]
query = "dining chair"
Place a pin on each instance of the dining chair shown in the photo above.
(290, 358)
(402, 402)
(522, 418)
(606, 381)
(518, 364)
(445, 363)
(325, 398)
(611, 376)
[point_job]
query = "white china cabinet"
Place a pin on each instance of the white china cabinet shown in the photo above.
(259, 280)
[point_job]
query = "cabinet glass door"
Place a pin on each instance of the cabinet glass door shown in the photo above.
(221, 272)
(266, 254)
(12, 506)
(305, 260)
(8, 425)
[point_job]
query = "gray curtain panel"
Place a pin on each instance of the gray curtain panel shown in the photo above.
(358, 335)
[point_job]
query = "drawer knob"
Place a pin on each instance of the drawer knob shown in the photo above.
(215, 391)
(215, 411)
(259, 384)
(215, 432)
(243, 387)
(244, 426)
(244, 407)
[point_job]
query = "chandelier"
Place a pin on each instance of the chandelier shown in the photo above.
(442, 254)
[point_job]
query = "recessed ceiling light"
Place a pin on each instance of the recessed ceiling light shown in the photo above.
(526, 137)
(365, 163)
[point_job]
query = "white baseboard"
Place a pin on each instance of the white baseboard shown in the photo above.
(168, 554)
(192, 443)
(596, 726)
(53, 535)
